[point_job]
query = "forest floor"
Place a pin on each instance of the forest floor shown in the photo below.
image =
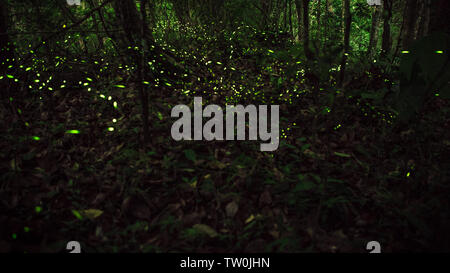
(72, 167)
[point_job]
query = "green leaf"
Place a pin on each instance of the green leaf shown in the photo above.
(190, 154)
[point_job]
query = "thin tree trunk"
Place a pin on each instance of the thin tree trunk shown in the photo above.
(387, 14)
(142, 87)
(327, 16)
(265, 10)
(308, 52)
(419, 18)
(298, 6)
(373, 41)
(319, 27)
(400, 34)
(278, 13)
(291, 29)
(347, 18)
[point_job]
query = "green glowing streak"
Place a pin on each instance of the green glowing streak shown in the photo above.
(119, 86)
(439, 51)
(75, 132)
(342, 154)
(405, 52)
(77, 214)
(36, 138)
(110, 129)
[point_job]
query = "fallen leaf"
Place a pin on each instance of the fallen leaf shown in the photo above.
(206, 230)
(231, 209)
(91, 213)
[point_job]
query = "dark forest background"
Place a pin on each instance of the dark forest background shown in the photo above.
(85, 146)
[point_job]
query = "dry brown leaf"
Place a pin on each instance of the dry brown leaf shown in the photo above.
(231, 209)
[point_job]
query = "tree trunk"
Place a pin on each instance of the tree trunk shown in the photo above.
(410, 23)
(305, 6)
(141, 67)
(319, 27)
(373, 41)
(387, 14)
(291, 29)
(424, 19)
(326, 19)
(266, 8)
(278, 13)
(136, 33)
(298, 6)
(347, 18)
